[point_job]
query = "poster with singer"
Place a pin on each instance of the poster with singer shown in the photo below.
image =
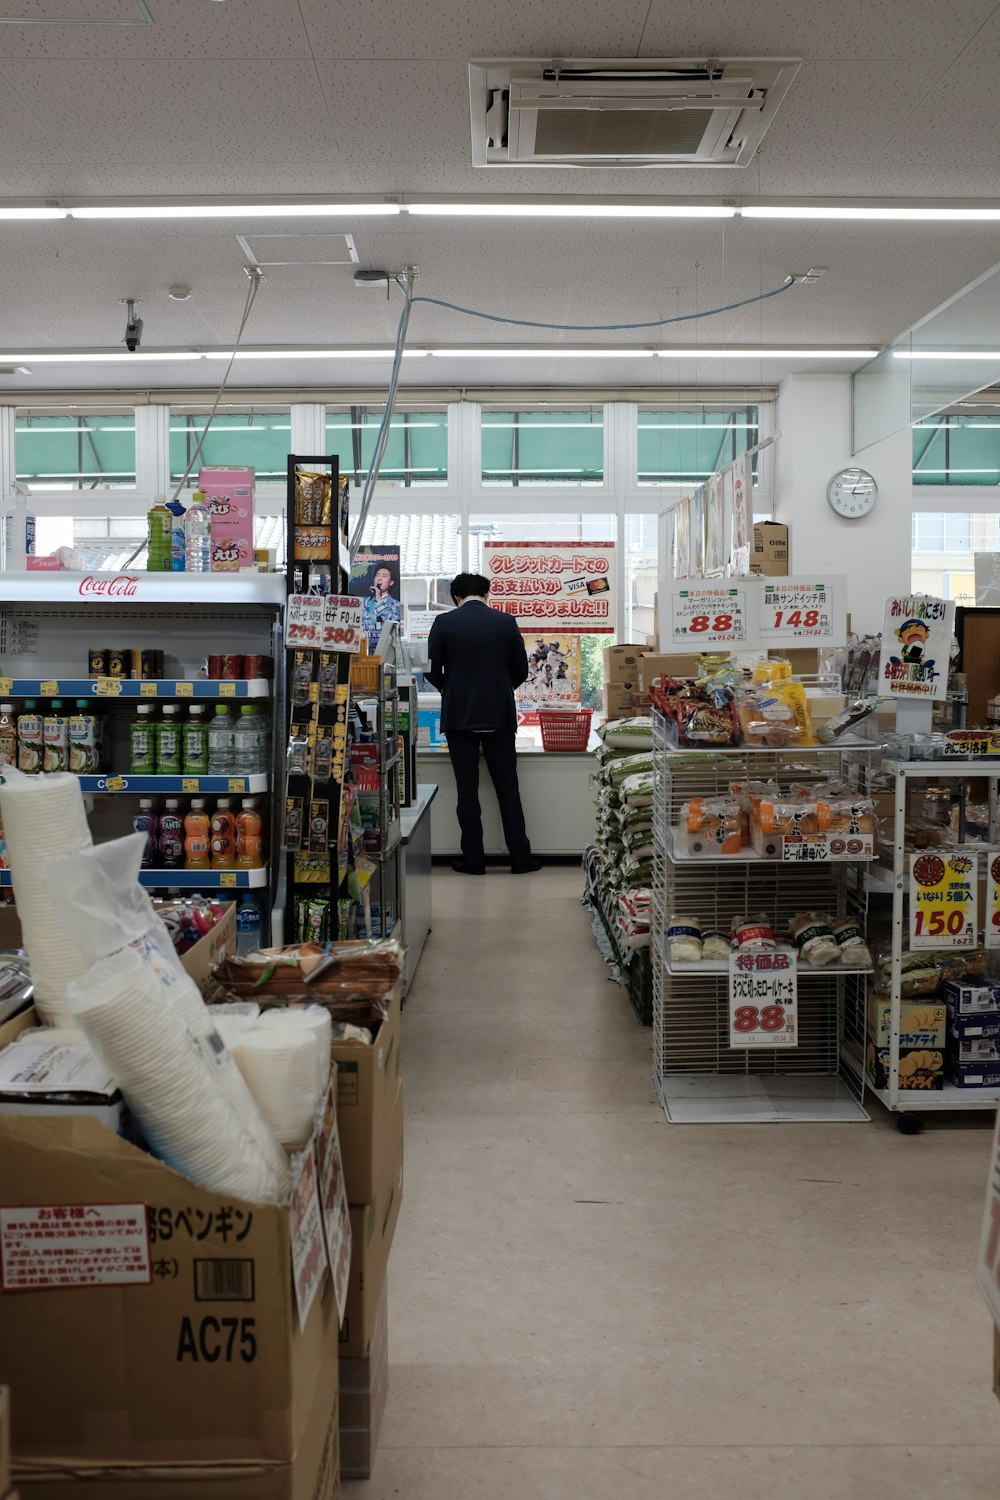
(553, 586)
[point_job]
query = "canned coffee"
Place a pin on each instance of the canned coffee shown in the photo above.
(97, 661)
(119, 663)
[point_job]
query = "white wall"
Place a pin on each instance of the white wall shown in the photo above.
(814, 419)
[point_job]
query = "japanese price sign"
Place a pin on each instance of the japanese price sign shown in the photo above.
(916, 645)
(763, 999)
(811, 611)
(704, 615)
(342, 624)
(547, 585)
(991, 916)
(944, 892)
(304, 622)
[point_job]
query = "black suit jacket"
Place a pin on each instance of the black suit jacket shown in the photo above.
(477, 660)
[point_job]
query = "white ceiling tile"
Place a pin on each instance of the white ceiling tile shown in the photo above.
(196, 111)
(893, 29)
(455, 29)
(181, 29)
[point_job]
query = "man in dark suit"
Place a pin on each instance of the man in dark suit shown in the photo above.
(477, 659)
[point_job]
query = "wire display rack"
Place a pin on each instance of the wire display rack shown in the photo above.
(699, 1077)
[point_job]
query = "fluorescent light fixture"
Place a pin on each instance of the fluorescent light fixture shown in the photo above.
(222, 210)
(926, 213)
(31, 212)
(562, 209)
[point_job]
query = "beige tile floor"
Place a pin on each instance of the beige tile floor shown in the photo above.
(587, 1302)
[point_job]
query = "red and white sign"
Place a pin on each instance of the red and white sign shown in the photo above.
(333, 1202)
(109, 586)
(342, 624)
(552, 584)
(74, 1244)
(308, 1244)
(763, 999)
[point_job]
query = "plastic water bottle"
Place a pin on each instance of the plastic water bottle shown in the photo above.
(249, 925)
(220, 742)
(246, 734)
(178, 541)
(197, 538)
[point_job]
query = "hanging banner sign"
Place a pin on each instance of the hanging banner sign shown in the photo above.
(944, 892)
(704, 615)
(991, 916)
(567, 584)
(803, 611)
(763, 999)
(916, 644)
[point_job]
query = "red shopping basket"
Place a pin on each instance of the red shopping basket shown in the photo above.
(565, 729)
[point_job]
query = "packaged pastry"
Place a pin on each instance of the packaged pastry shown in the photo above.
(814, 939)
(715, 945)
(684, 940)
(854, 951)
(753, 933)
(715, 825)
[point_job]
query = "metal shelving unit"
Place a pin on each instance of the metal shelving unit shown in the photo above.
(698, 1075)
(909, 777)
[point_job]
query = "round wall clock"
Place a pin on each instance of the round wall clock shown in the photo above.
(852, 493)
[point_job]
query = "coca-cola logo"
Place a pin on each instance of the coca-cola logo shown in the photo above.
(121, 586)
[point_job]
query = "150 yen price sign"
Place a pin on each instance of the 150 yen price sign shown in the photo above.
(763, 1000)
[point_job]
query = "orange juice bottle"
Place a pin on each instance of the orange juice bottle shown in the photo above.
(223, 835)
(197, 837)
(249, 837)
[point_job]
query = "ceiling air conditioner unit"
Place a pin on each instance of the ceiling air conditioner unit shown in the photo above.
(649, 113)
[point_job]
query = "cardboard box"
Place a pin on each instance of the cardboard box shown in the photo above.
(4, 1439)
(367, 1086)
(186, 1376)
(621, 664)
(926, 1075)
(229, 497)
(373, 1226)
(921, 1023)
(659, 664)
(769, 555)
(364, 1390)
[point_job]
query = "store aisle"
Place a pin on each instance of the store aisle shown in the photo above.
(585, 1302)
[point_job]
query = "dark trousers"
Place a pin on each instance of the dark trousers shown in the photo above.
(501, 761)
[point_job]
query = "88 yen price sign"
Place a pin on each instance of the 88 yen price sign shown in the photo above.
(763, 999)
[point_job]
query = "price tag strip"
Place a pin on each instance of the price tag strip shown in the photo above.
(763, 999)
(944, 899)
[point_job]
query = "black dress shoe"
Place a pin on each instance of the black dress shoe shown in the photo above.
(461, 868)
(529, 869)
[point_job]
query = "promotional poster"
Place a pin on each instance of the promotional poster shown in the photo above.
(375, 579)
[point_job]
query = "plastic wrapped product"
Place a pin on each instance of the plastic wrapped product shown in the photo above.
(814, 939)
(684, 940)
(754, 932)
(715, 946)
(854, 951)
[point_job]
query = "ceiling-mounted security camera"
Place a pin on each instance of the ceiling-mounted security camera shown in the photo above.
(133, 326)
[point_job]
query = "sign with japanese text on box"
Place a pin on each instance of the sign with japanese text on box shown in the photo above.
(553, 584)
(944, 899)
(763, 999)
(803, 611)
(916, 646)
(706, 615)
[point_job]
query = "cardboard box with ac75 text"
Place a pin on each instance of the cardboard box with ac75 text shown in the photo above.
(151, 1329)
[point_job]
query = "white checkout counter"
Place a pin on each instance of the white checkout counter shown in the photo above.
(555, 792)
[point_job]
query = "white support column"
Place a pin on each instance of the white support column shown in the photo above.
(814, 420)
(308, 433)
(152, 452)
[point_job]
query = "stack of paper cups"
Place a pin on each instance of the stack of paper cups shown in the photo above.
(44, 817)
(280, 1067)
(314, 1019)
(167, 1080)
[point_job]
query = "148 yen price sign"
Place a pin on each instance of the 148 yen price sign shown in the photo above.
(763, 999)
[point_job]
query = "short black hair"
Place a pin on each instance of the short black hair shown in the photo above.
(470, 586)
